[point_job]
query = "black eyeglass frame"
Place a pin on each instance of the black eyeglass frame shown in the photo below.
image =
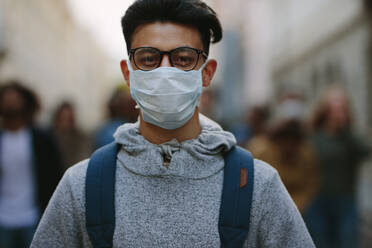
(198, 51)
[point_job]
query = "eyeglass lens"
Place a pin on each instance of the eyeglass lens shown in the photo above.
(150, 58)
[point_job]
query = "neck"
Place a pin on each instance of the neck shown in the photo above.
(158, 135)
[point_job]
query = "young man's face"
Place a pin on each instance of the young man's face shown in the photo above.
(12, 104)
(166, 36)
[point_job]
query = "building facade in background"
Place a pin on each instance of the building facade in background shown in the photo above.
(321, 43)
(43, 47)
(270, 46)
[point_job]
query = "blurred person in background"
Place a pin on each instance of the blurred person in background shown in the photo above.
(287, 148)
(74, 144)
(333, 218)
(253, 125)
(30, 166)
(121, 109)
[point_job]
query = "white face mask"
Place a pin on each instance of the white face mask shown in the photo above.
(167, 96)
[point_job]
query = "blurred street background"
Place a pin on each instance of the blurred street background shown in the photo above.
(68, 53)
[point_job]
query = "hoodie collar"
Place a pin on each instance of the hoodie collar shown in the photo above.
(194, 158)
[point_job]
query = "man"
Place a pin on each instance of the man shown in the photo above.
(30, 166)
(121, 109)
(169, 173)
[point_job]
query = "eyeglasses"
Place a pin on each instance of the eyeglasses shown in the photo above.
(149, 58)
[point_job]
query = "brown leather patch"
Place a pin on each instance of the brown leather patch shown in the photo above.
(243, 177)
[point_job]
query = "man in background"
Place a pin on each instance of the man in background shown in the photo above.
(30, 166)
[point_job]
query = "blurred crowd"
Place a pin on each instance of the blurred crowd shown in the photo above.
(317, 156)
(34, 158)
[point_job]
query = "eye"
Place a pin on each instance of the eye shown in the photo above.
(147, 58)
(183, 60)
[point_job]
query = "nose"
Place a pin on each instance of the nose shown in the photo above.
(165, 62)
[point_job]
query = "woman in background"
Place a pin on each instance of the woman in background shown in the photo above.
(73, 143)
(333, 218)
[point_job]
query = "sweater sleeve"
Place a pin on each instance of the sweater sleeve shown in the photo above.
(63, 222)
(279, 223)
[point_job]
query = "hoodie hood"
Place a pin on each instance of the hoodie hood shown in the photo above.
(196, 158)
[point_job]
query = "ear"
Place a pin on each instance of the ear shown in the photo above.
(125, 71)
(208, 72)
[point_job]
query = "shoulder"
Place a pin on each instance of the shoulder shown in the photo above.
(263, 173)
(70, 191)
(268, 188)
(275, 219)
(75, 175)
(63, 222)
(73, 183)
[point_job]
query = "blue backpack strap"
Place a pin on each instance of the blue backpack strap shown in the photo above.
(100, 198)
(236, 197)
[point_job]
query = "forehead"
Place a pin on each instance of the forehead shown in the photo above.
(166, 36)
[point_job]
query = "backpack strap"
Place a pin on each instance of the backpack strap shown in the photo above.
(236, 197)
(99, 195)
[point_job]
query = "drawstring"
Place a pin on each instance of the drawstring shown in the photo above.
(167, 150)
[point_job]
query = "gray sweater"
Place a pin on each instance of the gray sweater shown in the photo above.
(174, 206)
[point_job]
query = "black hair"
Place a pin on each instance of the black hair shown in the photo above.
(31, 104)
(65, 104)
(193, 13)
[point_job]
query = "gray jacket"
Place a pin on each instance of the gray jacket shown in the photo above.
(174, 206)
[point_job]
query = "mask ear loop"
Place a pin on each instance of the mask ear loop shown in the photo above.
(203, 65)
(201, 71)
(130, 68)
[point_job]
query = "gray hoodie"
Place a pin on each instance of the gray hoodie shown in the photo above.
(174, 206)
